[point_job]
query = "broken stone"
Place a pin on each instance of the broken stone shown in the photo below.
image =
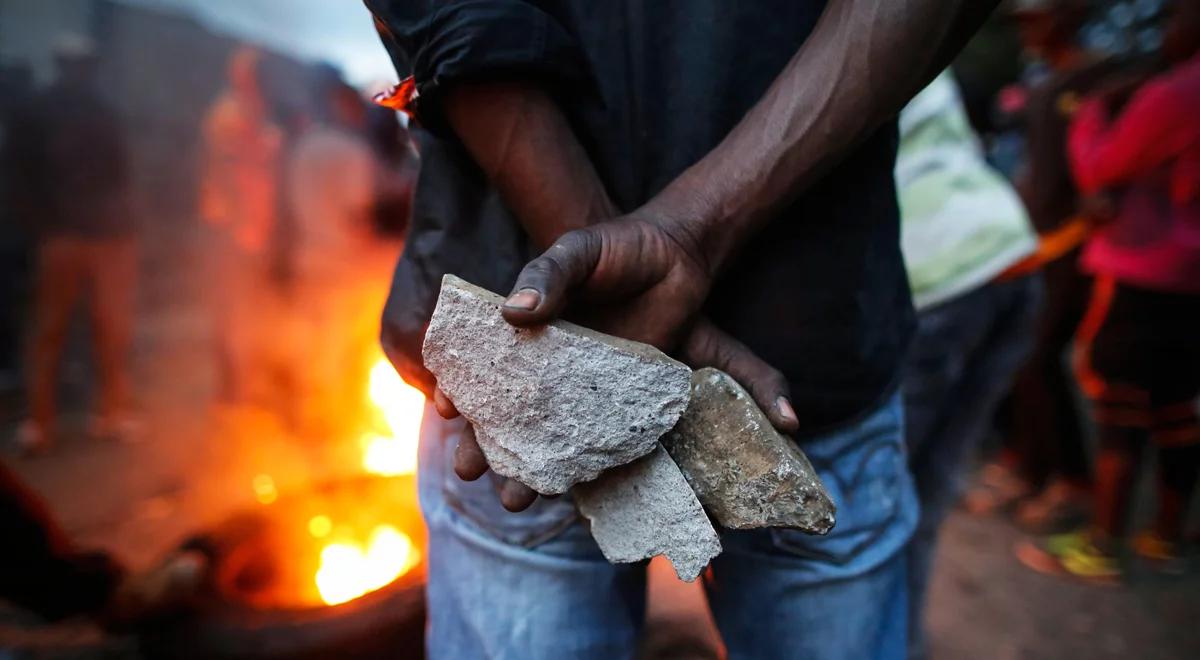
(646, 509)
(551, 406)
(744, 472)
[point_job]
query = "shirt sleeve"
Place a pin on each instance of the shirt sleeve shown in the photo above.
(1153, 129)
(439, 42)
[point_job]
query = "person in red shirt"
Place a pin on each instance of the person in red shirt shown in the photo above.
(1138, 354)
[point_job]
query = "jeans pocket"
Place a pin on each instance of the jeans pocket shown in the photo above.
(866, 473)
(478, 502)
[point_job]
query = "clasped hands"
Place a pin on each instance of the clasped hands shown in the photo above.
(645, 277)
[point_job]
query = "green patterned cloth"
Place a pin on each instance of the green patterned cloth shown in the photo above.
(961, 221)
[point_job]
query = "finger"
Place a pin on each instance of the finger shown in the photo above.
(708, 346)
(545, 284)
(469, 461)
(516, 496)
(443, 404)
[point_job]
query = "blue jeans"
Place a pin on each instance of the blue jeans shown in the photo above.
(963, 359)
(534, 584)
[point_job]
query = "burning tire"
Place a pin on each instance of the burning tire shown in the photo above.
(388, 623)
(265, 580)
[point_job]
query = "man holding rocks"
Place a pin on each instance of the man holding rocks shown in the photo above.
(711, 178)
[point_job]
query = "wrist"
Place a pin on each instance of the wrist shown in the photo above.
(685, 233)
(698, 220)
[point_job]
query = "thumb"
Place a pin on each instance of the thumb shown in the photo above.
(706, 345)
(544, 286)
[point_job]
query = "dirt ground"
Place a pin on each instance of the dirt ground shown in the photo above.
(140, 500)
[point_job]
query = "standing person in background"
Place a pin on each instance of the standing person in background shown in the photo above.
(1043, 470)
(961, 225)
(74, 192)
(333, 180)
(1139, 345)
(239, 200)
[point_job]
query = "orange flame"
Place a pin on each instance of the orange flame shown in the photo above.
(264, 489)
(401, 407)
(350, 569)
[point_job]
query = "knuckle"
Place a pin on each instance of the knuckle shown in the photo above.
(777, 382)
(574, 251)
(538, 268)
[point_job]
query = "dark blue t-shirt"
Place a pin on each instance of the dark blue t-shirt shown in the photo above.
(650, 88)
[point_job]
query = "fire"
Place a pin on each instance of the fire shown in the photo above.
(264, 489)
(340, 519)
(320, 526)
(401, 407)
(350, 569)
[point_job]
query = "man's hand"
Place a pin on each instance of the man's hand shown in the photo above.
(643, 279)
(636, 277)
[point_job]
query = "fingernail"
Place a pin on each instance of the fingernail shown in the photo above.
(526, 299)
(785, 409)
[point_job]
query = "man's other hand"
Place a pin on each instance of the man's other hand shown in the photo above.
(470, 463)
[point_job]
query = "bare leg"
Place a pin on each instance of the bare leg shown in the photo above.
(59, 278)
(114, 278)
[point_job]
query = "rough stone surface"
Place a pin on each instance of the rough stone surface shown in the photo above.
(551, 406)
(646, 509)
(745, 472)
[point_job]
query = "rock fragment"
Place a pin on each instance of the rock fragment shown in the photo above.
(551, 406)
(646, 509)
(744, 472)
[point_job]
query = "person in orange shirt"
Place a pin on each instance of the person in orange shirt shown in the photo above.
(239, 201)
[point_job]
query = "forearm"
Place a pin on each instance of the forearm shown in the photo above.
(862, 63)
(525, 146)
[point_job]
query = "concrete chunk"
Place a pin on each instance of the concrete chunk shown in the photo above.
(551, 406)
(646, 509)
(745, 472)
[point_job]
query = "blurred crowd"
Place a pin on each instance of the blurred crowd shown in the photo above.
(1051, 230)
(295, 206)
(1055, 266)
(294, 201)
